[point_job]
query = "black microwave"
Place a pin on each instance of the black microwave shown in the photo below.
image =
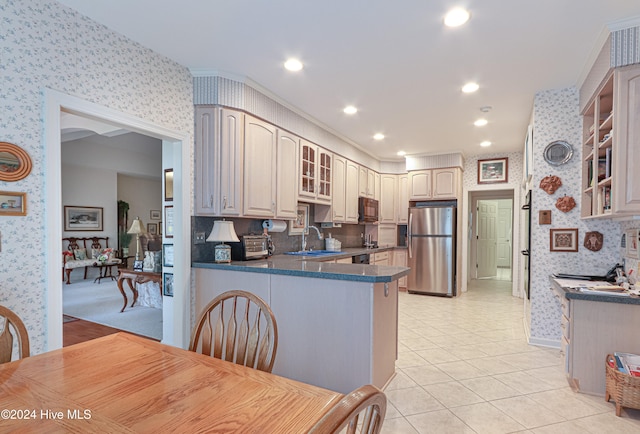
(367, 210)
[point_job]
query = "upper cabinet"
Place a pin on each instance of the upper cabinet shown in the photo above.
(611, 133)
(388, 196)
(434, 184)
(403, 199)
(260, 140)
(351, 192)
(366, 182)
(218, 172)
(315, 176)
(286, 175)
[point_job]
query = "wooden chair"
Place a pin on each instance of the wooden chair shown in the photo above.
(366, 401)
(12, 321)
(253, 343)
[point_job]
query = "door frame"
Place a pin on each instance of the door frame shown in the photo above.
(176, 310)
(490, 192)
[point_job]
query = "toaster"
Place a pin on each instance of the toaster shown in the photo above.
(250, 247)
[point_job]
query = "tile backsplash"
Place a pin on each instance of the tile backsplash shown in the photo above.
(349, 235)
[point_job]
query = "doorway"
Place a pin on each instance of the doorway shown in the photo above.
(493, 238)
(175, 151)
(489, 255)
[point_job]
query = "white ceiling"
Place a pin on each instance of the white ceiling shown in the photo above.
(394, 60)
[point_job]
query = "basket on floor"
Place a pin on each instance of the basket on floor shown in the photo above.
(623, 388)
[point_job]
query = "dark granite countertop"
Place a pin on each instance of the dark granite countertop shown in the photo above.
(316, 267)
(568, 287)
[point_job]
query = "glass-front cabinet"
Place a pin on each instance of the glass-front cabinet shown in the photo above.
(315, 173)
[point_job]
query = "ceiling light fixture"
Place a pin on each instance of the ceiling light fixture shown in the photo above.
(485, 144)
(480, 122)
(293, 65)
(378, 136)
(456, 17)
(470, 87)
(350, 110)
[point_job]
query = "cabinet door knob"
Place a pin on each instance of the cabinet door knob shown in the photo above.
(224, 202)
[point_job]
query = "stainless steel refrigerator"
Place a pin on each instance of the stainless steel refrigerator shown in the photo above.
(431, 242)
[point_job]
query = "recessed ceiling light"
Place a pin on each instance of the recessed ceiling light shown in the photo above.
(350, 110)
(480, 122)
(456, 17)
(485, 144)
(470, 87)
(378, 136)
(402, 153)
(293, 65)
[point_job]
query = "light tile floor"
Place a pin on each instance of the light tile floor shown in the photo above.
(464, 366)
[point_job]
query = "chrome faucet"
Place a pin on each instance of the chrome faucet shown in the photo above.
(304, 240)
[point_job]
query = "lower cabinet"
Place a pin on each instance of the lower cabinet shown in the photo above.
(590, 331)
(400, 260)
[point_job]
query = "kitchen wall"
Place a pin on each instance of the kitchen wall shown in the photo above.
(556, 117)
(47, 45)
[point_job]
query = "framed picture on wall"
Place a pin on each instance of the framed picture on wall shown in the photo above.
(493, 171)
(152, 228)
(155, 214)
(168, 221)
(167, 255)
(83, 218)
(168, 185)
(301, 223)
(167, 284)
(632, 243)
(13, 203)
(563, 240)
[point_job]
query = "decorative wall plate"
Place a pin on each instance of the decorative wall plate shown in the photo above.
(550, 183)
(15, 163)
(565, 203)
(593, 240)
(558, 152)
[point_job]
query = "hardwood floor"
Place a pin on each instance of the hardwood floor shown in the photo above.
(76, 330)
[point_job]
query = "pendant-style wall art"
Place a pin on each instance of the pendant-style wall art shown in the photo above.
(550, 183)
(593, 240)
(544, 217)
(566, 203)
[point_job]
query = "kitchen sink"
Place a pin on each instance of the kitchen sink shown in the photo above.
(312, 253)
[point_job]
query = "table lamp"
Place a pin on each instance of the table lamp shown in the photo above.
(222, 232)
(137, 228)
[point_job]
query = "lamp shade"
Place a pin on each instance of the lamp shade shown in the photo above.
(136, 227)
(223, 231)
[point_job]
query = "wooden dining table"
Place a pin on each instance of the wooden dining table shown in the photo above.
(123, 383)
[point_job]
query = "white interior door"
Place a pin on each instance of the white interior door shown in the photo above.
(503, 252)
(486, 233)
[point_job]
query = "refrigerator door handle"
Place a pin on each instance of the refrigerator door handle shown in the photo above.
(409, 233)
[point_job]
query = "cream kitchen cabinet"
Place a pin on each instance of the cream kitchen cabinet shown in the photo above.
(434, 184)
(400, 260)
(591, 329)
(366, 182)
(380, 258)
(351, 192)
(388, 195)
(219, 137)
(286, 175)
(315, 180)
(611, 133)
(403, 199)
(376, 185)
(336, 212)
(260, 144)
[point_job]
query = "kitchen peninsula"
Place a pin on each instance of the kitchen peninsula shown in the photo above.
(337, 323)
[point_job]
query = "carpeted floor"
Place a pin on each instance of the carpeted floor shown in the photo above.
(101, 303)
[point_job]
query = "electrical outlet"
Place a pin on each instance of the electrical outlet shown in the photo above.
(198, 238)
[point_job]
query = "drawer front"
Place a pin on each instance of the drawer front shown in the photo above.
(382, 256)
(566, 307)
(565, 324)
(565, 349)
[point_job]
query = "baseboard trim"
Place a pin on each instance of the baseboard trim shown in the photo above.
(544, 343)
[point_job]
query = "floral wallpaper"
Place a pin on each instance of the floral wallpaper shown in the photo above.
(556, 117)
(44, 44)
